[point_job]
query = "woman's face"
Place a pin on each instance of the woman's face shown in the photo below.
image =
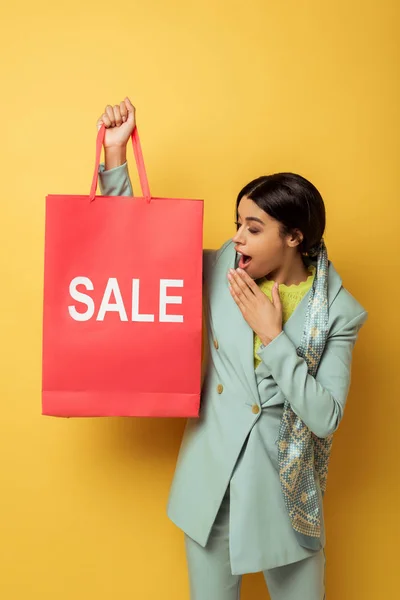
(258, 240)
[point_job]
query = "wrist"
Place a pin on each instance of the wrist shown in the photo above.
(114, 156)
(267, 339)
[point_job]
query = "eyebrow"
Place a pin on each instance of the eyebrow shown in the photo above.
(253, 219)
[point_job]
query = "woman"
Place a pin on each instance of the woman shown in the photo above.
(247, 490)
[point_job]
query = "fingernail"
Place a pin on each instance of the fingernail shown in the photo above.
(123, 119)
(240, 271)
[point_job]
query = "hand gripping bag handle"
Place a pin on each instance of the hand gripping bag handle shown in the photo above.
(137, 150)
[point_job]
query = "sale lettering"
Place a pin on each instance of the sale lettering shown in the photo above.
(112, 289)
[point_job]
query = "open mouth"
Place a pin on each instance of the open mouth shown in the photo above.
(244, 260)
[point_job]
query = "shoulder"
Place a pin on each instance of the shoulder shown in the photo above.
(346, 303)
(345, 309)
(212, 257)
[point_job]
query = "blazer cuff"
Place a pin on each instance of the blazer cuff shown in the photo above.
(115, 182)
(275, 353)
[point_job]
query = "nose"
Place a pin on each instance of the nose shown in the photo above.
(238, 238)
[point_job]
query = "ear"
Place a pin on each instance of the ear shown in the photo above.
(295, 238)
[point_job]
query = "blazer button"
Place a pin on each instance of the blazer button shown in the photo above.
(220, 388)
(255, 409)
(216, 345)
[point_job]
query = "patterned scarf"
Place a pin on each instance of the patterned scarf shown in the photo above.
(300, 450)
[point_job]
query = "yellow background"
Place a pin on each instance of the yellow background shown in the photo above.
(225, 91)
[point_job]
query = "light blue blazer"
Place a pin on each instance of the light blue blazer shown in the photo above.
(234, 441)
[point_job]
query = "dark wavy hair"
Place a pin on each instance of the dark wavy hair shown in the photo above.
(293, 201)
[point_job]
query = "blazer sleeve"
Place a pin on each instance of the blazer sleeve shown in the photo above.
(115, 182)
(319, 401)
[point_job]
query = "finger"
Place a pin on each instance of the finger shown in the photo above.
(110, 114)
(238, 300)
(276, 299)
(129, 105)
(104, 119)
(117, 115)
(124, 111)
(249, 281)
(235, 286)
(131, 110)
(242, 285)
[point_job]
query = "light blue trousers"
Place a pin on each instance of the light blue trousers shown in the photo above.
(210, 575)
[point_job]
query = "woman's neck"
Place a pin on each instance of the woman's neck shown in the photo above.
(293, 272)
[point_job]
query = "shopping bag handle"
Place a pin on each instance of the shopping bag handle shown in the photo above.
(137, 150)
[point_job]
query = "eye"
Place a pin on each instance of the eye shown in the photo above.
(250, 229)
